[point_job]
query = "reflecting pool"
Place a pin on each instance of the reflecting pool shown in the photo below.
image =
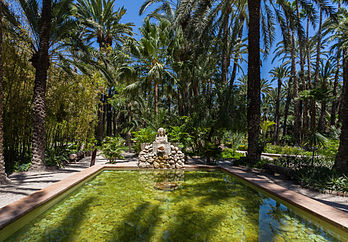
(202, 206)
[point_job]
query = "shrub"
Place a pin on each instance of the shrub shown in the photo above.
(231, 154)
(112, 148)
(58, 156)
(177, 134)
(21, 167)
(145, 135)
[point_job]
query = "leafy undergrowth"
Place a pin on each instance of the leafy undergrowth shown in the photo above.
(316, 174)
(55, 156)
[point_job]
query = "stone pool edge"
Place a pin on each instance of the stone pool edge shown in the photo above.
(25, 205)
(18, 209)
(325, 212)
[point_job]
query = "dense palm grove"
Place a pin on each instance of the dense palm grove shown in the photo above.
(74, 76)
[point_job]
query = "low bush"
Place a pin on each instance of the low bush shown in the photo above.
(316, 174)
(21, 167)
(231, 154)
(288, 150)
(146, 135)
(58, 156)
(112, 148)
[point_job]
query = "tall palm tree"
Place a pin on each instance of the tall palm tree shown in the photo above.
(47, 30)
(326, 74)
(324, 8)
(279, 74)
(100, 23)
(330, 26)
(40, 61)
(152, 50)
(254, 80)
(3, 176)
(341, 162)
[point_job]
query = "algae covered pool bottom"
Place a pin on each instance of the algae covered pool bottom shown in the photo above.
(205, 206)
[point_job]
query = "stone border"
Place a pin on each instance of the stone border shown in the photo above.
(325, 212)
(16, 210)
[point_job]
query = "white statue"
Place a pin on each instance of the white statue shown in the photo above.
(161, 136)
(161, 144)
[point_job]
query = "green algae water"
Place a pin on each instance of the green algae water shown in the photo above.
(205, 206)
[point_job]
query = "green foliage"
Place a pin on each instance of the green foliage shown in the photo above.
(243, 147)
(317, 174)
(265, 125)
(112, 148)
(233, 139)
(21, 167)
(145, 135)
(211, 151)
(289, 150)
(231, 154)
(58, 156)
(177, 134)
(330, 149)
(322, 178)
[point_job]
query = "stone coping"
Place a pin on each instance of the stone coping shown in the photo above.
(325, 212)
(16, 210)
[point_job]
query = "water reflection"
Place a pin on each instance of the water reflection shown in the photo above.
(207, 206)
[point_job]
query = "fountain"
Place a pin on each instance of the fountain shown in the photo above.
(161, 154)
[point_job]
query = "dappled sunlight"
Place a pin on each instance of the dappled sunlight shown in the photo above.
(207, 205)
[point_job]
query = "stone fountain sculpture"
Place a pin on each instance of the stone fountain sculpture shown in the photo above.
(161, 154)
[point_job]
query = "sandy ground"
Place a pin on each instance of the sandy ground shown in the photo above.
(25, 183)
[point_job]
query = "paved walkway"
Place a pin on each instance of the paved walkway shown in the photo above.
(25, 183)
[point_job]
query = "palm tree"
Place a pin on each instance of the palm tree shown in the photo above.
(330, 25)
(100, 23)
(40, 61)
(278, 73)
(326, 73)
(47, 30)
(152, 50)
(341, 162)
(165, 10)
(3, 176)
(254, 80)
(328, 10)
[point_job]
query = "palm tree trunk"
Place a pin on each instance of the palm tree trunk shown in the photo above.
(309, 71)
(225, 53)
(341, 162)
(322, 117)
(40, 61)
(3, 176)
(109, 115)
(316, 74)
(334, 94)
(287, 105)
(297, 113)
(302, 71)
(335, 102)
(100, 124)
(254, 81)
(156, 99)
(277, 113)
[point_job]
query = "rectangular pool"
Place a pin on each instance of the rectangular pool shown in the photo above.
(172, 205)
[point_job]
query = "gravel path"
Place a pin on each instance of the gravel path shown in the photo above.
(25, 183)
